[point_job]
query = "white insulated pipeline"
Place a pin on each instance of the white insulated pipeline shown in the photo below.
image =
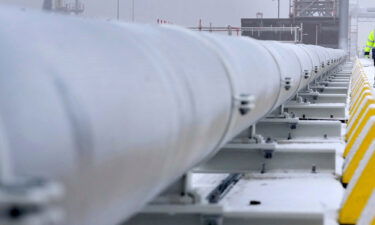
(117, 112)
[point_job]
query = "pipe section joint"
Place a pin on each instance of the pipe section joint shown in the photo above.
(245, 102)
(307, 74)
(287, 83)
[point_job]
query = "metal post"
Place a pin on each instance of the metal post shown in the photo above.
(133, 16)
(344, 24)
(6, 170)
(118, 9)
(278, 9)
(290, 8)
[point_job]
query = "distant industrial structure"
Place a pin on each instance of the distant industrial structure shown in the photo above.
(310, 22)
(314, 8)
(62, 6)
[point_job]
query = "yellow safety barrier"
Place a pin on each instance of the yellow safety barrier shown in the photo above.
(356, 130)
(368, 214)
(355, 117)
(357, 83)
(360, 146)
(359, 166)
(358, 87)
(356, 113)
(365, 92)
(359, 189)
(352, 114)
(358, 76)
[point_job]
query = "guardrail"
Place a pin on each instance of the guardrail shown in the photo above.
(359, 165)
(296, 32)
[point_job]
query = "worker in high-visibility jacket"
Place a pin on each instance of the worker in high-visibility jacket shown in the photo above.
(370, 46)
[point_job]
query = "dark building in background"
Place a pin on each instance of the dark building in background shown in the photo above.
(47, 5)
(317, 23)
(63, 6)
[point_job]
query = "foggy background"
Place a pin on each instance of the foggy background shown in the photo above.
(182, 12)
(189, 12)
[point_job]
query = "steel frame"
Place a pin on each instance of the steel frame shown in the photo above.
(268, 147)
(265, 158)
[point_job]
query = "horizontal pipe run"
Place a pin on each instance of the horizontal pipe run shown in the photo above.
(117, 112)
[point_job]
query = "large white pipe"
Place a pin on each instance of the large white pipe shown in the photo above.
(306, 62)
(313, 56)
(290, 76)
(117, 112)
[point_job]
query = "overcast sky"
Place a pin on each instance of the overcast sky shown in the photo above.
(183, 12)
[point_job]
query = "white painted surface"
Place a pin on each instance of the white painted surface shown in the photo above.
(117, 112)
(280, 193)
(292, 192)
(368, 215)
